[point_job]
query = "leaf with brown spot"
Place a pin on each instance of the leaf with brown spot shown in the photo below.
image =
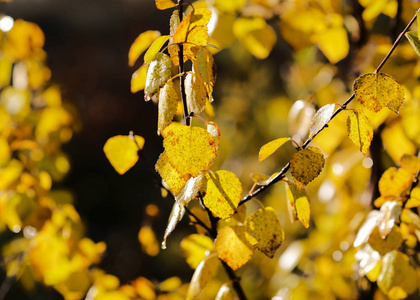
(306, 165)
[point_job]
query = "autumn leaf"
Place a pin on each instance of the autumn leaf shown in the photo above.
(232, 246)
(298, 204)
(158, 74)
(194, 248)
(147, 239)
(141, 43)
(164, 4)
(189, 149)
(263, 231)
(334, 43)
(376, 90)
(413, 38)
(195, 93)
(204, 273)
(176, 215)
(222, 193)
(392, 241)
(269, 148)
(320, 119)
(360, 130)
(410, 163)
(155, 48)
(414, 200)
(306, 165)
(181, 32)
(121, 151)
(191, 189)
(168, 103)
(138, 79)
(172, 178)
(394, 181)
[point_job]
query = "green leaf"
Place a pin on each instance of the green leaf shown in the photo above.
(306, 165)
(269, 148)
(168, 103)
(413, 38)
(155, 48)
(158, 74)
(223, 193)
(298, 204)
(375, 91)
(360, 130)
(263, 231)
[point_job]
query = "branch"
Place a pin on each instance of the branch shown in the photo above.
(283, 171)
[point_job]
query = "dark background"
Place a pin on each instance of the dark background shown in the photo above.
(87, 44)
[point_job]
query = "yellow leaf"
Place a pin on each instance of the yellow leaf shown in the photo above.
(360, 130)
(271, 147)
(148, 242)
(394, 181)
(168, 103)
(170, 284)
(171, 176)
(144, 288)
(395, 140)
(205, 66)
(223, 193)
(158, 73)
(112, 295)
(414, 200)
(260, 179)
(200, 17)
(205, 272)
(334, 43)
(181, 32)
(298, 204)
(375, 91)
(4, 151)
(254, 33)
(410, 163)
(373, 9)
(392, 241)
(306, 165)
(231, 6)
(194, 248)
(5, 71)
(195, 92)
(189, 149)
(10, 173)
(164, 4)
(141, 43)
(321, 118)
(138, 79)
(263, 231)
(232, 246)
(155, 48)
(397, 272)
(198, 36)
(121, 151)
(191, 189)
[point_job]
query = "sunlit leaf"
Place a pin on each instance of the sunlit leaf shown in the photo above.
(397, 272)
(414, 200)
(306, 165)
(204, 273)
(368, 259)
(375, 91)
(198, 36)
(195, 92)
(366, 229)
(164, 4)
(389, 213)
(155, 48)
(147, 239)
(360, 130)
(138, 79)
(168, 173)
(256, 35)
(158, 74)
(191, 189)
(176, 215)
(394, 181)
(189, 149)
(263, 231)
(271, 147)
(222, 193)
(321, 118)
(121, 151)
(173, 22)
(168, 103)
(170, 284)
(298, 204)
(181, 32)
(413, 38)
(144, 288)
(225, 293)
(410, 163)
(392, 241)
(334, 43)
(141, 43)
(205, 66)
(202, 215)
(194, 248)
(232, 246)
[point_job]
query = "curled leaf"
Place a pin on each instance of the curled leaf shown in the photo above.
(158, 74)
(298, 204)
(321, 118)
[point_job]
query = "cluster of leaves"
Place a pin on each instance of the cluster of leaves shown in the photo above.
(191, 150)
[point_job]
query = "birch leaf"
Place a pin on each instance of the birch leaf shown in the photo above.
(195, 92)
(189, 149)
(410, 163)
(138, 79)
(171, 177)
(194, 248)
(205, 272)
(121, 152)
(271, 147)
(321, 118)
(298, 204)
(394, 181)
(168, 103)
(263, 231)
(232, 246)
(360, 130)
(158, 74)
(223, 193)
(155, 48)
(375, 91)
(176, 215)
(140, 44)
(306, 165)
(413, 38)
(164, 4)
(181, 32)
